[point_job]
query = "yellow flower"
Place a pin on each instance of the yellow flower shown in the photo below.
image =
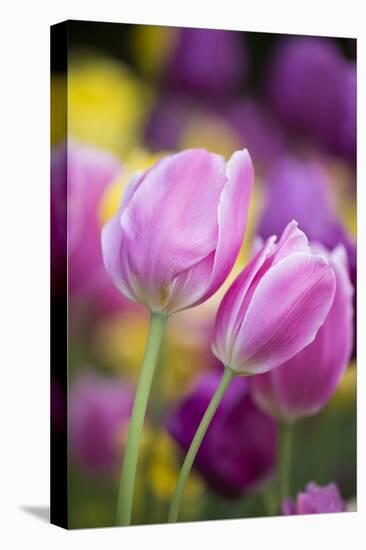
(346, 391)
(255, 208)
(186, 351)
(350, 216)
(106, 103)
(119, 342)
(164, 470)
(160, 467)
(158, 473)
(343, 186)
(211, 132)
(58, 107)
(153, 46)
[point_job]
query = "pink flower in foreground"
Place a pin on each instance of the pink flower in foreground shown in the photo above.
(179, 229)
(315, 500)
(276, 305)
(302, 385)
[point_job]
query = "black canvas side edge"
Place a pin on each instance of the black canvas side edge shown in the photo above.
(59, 302)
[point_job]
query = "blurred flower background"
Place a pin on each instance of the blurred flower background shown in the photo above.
(135, 93)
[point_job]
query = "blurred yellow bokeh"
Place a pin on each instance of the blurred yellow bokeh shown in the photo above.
(345, 394)
(107, 104)
(138, 160)
(119, 342)
(211, 132)
(153, 46)
(58, 108)
(165, 467)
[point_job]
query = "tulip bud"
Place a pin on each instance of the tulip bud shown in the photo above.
(276, 305)
(179, 229)
(304, 383)
(315, 500)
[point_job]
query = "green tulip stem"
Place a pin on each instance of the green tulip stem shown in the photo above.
(196, 442)
(128, 473)
(284, 461)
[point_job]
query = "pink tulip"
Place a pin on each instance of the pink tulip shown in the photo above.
(179, 229)
(276, 305)
(315, 499)
(80, 175)
(303, 384)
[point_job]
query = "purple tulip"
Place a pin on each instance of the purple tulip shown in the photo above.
(238, 450)
(179, 229)
(167, 122)
(315, 500)
(313, 90)
(276, 305)
(303, 385)
(300, 190)
(258, 130)
(208, 62)
(99, 412)
(348, 138)
(80, 174)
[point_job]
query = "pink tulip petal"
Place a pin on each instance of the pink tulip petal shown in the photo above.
(292, 240)
(202, 280)
(287, 308)
(317, 500)
(265, 393)
(116, 259)
(170, 223)
(130, 189)
(115, 253)
(303, 392)
(232, 217)
(228, 318)
(189, 286)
